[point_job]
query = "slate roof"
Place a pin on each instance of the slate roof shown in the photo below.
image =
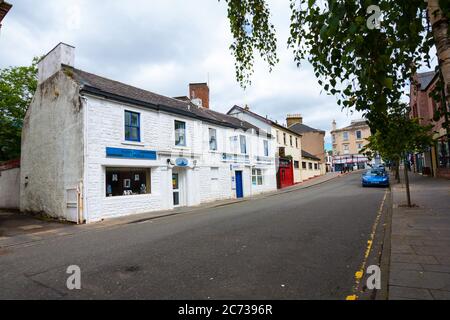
(121, 92)
(4, 8)
(263, 119)
(303, 128)
(309, 156)
(425, 78)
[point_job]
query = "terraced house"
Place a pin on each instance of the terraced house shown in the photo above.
(94, 148)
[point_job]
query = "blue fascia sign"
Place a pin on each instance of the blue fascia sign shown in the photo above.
(130, 154)
(182, 162)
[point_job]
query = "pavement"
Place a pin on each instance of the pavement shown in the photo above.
(420, 241)
(17, 228)
(303, 243)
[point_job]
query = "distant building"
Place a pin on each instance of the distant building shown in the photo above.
(4, 8)
(436, 160)
(348, 143)
(313, 140)
(288, 142)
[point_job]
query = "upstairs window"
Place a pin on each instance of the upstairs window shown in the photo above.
(291, 141)
(180, 133)
(358, 135)
(345, 136)
(132, 126)
(212, 139)
(303, 165)
(296, 143)
(243, 142)
(284, 139)
(266, 148)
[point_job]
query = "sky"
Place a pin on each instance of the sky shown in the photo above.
(162, 46)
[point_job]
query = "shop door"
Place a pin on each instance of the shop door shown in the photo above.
(176, 189)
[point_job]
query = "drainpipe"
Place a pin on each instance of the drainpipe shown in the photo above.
(84, 213)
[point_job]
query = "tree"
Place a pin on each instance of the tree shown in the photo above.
(398, 138)
(17, 87)
(366, 68)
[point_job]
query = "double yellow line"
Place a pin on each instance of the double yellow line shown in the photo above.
(360, 273)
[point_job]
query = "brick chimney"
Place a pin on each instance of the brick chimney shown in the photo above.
(292, 119)
(199, 94)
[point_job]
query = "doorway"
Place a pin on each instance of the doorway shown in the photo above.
(239, 185)
(177, 185)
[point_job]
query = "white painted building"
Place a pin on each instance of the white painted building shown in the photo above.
(94, 148)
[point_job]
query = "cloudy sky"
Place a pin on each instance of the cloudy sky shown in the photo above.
(162, 46)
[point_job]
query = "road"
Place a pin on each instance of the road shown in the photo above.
(304, 244)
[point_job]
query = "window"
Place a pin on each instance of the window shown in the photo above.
(296, 165)
(316, 166)
(346, 150)
(266, 148)
(243, 142)
(304, 165)
(310, 165)
(257, 177)
(334, 138)
(284, 139)
(358, 135)
(180, 133)
(212, 139)
(132, 126)
(292, 143)
(127, 181)
(360, 146)
(296, 143)
(345, 136)
(278, 136)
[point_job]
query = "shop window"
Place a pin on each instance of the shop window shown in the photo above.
(127, 181)
(180, 133)
(132, 126)
(257, 177)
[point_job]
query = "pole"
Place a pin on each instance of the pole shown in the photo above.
(408, 194)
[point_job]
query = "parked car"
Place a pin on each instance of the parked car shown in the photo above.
(375, 177)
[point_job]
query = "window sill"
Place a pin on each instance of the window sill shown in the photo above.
(133, 143)
(129, 197)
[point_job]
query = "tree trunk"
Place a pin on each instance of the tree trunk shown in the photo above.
(408, 194)
(397, 170)
(439, 24)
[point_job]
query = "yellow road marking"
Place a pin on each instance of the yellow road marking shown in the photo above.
(359, 274)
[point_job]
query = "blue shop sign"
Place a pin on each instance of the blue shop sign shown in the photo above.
(130, 154)
(182, 162)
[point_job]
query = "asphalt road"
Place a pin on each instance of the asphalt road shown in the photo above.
(305, 244)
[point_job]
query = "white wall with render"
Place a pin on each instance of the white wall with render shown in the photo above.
(52, 148)
(9, 188)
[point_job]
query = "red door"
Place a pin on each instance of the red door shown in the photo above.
(285, 174)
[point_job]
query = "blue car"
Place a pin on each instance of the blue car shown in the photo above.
(375, 177)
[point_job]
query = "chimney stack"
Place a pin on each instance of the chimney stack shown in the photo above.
(292, 119)
(333, 126)
(52, 61)
(199, 94)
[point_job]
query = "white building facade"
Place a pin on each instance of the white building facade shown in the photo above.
(140, 152)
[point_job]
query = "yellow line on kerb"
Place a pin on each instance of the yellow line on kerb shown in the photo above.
(360, 273)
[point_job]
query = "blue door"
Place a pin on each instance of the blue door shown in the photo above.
(239, 186)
